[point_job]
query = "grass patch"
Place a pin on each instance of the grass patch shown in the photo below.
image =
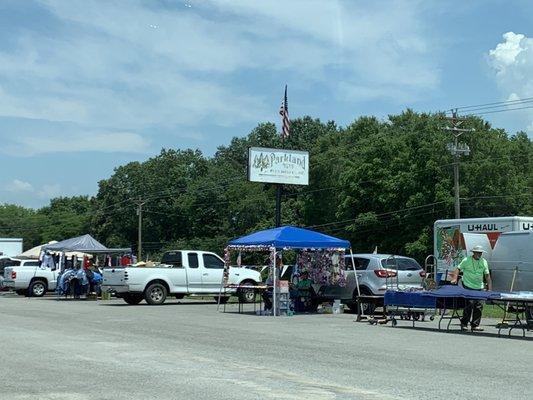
(492, 311)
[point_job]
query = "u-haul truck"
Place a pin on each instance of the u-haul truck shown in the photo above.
(454, 238)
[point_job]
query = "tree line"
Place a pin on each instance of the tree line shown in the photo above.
(374, 182)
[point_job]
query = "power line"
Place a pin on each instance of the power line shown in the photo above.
(508, 109)
(527, 99)
(378, 215)
(413, 208)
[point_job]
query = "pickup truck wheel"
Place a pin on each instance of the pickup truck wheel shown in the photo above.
(223, 300)
(21, 292)
(37, 289)
(155, 294)
(132, 299)
(246, 295)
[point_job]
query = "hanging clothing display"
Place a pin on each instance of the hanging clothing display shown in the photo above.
(48, 261)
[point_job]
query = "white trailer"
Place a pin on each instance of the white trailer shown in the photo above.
(454, 238)
(10, 247)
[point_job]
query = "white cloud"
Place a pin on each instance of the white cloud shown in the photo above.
(49, 191)
(512, 60)
(505, 54)
(23, 188)
(110, 142)
(17, 186)
(110, 66)
(119, 82)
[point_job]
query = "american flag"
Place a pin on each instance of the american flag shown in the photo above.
(284, 112)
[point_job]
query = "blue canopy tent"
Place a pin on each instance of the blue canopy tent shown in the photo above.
(290, 237)
(286, 238)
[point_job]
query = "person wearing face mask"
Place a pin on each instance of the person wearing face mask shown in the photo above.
(475, 271)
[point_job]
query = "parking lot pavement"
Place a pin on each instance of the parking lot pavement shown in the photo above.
(78, 350)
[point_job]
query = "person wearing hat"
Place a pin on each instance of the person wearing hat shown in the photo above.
(475, 271)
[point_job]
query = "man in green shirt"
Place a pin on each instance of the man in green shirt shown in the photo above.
(475, 271)
(302, 293)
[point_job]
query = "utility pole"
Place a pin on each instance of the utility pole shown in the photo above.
(457, 149)
(140, 204)
(278, 205)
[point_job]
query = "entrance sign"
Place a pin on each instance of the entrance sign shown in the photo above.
(278, 166)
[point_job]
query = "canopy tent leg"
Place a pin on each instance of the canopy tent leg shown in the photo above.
(274, 280)
(360, 309)
(226, 268)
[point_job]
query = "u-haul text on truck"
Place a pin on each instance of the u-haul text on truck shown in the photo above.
(453, 238)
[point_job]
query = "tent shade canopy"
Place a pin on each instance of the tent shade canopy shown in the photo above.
(291, 237)
(35, 251)
(84, 244)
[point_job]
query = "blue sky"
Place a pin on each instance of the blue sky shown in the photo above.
(87, 85)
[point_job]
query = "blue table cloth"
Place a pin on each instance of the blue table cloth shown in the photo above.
(439, 297)
(418, 299)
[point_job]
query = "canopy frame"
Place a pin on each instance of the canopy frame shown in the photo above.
(278, 245)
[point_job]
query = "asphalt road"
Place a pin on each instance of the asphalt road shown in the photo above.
(78, 350)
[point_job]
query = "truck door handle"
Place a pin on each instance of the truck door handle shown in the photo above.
(206, 274)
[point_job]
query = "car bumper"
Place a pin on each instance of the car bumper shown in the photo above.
(9, 284)
(400, 286)
(115, 288)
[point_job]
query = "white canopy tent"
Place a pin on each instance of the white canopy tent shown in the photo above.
(34, 252)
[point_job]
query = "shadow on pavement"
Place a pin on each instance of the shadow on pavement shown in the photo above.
(456, 331)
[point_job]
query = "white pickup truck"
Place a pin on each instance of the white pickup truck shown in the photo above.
(181, 273)
(25, 277)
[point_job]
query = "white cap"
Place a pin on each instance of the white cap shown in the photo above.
(478, 249)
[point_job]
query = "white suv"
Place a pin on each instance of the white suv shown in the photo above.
(376, 273)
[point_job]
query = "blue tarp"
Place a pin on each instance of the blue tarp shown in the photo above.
(459, 291)
(291, 237)
(440, 297)
(398, 298)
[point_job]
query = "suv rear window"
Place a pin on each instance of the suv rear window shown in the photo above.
(172, 258)
(401, 264)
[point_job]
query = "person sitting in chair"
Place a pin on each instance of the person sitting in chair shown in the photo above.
(267, 294)
(303, 292)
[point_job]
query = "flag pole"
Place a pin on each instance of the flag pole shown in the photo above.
(284, 131)
(278, 205)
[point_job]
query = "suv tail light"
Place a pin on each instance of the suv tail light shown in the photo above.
(384, 273)
(422, 274)
(13, 275)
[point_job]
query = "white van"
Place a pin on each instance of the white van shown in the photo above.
(513, 251)
(453, 238)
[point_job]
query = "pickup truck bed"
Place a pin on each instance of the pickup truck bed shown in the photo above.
(189, 272)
